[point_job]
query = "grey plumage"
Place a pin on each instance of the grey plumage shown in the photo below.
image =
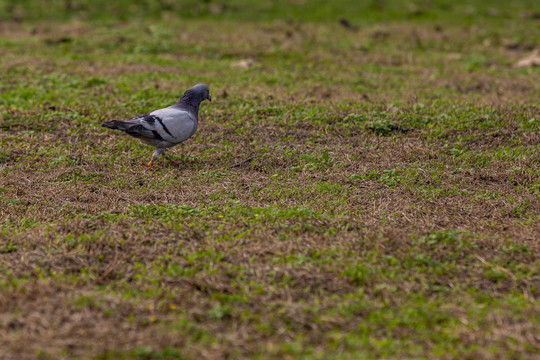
(169, 126)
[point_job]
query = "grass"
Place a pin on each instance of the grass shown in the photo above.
(361, 190)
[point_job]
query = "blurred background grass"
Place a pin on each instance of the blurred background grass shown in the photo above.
(265, 10)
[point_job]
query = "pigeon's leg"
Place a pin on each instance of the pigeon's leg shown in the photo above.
(154, 157)
(150, 163)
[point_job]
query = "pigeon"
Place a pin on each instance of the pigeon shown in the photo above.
(169, 126)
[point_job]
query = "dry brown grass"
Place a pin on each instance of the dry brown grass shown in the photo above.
(423, 243)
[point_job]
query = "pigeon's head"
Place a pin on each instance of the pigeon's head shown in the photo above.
(192, 98)
(198, 93)
(204, 90)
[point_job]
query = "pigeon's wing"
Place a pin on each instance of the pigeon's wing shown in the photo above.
(172, 124)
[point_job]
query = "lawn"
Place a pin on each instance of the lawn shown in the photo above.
(365, 183)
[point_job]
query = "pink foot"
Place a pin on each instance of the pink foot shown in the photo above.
(149, 165)
(173, 161)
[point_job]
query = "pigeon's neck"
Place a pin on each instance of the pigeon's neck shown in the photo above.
(190, 102)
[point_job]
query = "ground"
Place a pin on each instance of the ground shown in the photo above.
(360, 186)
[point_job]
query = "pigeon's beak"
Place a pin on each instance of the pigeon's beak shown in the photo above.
(209, 97)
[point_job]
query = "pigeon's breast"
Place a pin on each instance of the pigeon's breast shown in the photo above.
(183, 130)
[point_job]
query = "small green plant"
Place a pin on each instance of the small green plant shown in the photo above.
(381, 126)
(355, 118)
(8, 248)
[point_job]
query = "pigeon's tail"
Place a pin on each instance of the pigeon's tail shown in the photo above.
(134, 128)
(118, 125)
